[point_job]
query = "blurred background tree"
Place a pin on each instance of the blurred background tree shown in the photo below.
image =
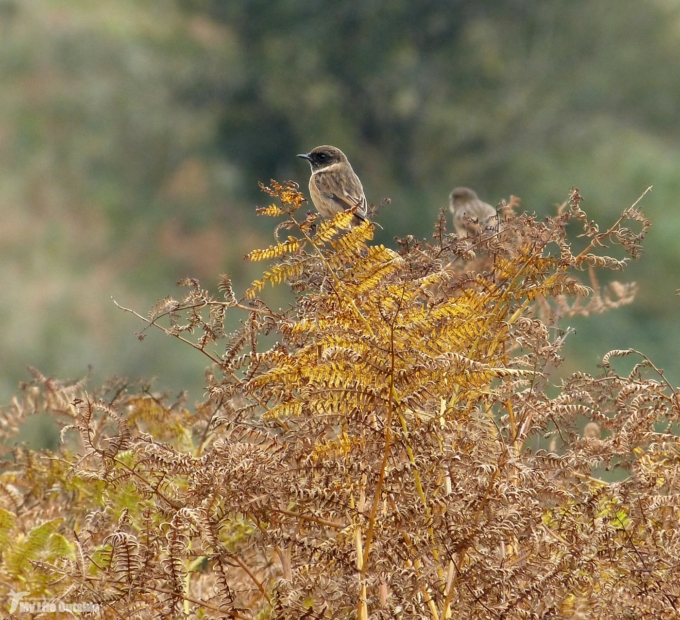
(133, 136)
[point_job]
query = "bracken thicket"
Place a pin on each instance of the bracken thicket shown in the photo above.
(392, 445)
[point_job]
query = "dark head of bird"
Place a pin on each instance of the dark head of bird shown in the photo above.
(324, 156)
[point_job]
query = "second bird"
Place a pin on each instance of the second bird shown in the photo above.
(470, 214)
(334, 186)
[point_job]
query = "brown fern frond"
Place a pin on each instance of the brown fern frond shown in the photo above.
(225, 287)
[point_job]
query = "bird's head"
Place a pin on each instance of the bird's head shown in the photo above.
(324, 156)
(461, 195)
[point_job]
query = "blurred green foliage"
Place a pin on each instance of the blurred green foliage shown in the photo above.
(133, 136)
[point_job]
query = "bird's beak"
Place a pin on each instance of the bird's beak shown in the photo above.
(305, 156)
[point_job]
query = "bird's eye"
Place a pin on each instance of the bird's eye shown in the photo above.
(322, 156)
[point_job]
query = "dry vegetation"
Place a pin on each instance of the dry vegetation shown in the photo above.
(382, 459)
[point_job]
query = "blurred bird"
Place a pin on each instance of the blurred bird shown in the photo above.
(470, 215)
(334, 186)
(592, 431)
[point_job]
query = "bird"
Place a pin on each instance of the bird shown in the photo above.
(470, 214)
(592, 431)
(334, 186)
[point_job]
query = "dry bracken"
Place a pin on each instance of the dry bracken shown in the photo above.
(394, 453)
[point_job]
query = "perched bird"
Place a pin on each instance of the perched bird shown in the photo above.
(470, 214)
(334, 186)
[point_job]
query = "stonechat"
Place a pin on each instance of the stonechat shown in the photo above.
(470, 214)
(334, 186)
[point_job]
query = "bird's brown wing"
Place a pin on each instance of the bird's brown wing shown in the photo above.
(344, 188)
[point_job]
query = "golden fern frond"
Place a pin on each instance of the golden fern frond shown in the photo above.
(336, 448)
(285, 410)
(377, 265)
(354, 241)
(290, 246)
(342, 220)
(271, 211)
(290, 195)
(286, 192)
(325, 232)
(276, 275)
